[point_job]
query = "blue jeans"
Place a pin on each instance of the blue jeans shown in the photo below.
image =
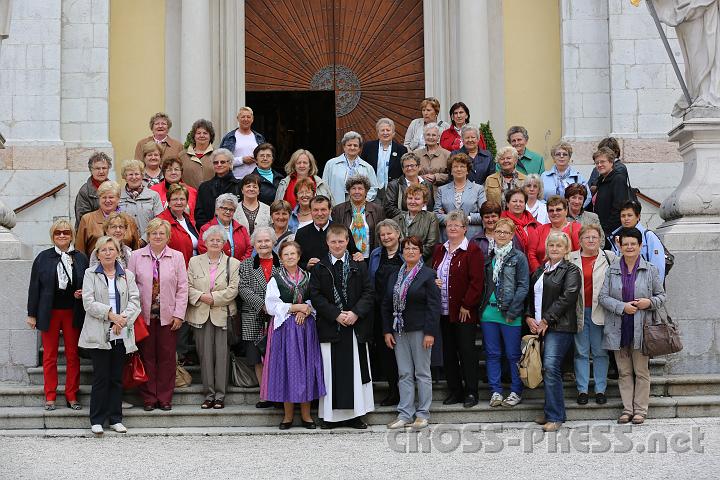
(495, 335)
(414, 369)
(587, 341)
(555, 347)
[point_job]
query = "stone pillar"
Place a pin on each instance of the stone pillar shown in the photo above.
(228, 50)
(436, 53)
(692, 233)
(471, 57)
(195, 63)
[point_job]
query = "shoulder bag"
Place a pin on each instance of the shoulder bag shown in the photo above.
(661, 335)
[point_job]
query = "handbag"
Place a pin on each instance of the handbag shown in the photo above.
(241, 375)
(661, 335)
(140, 328)
(133, 372)
(530, 364)
(234, 322)
(261, 343)
(182, 376)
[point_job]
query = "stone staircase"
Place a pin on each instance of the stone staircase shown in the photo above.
(21, 405)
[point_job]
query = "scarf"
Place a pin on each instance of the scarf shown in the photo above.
(351, 169)
(359, 229)
(341, 297)
(64, 267)
(500, 254)
(628, 295)
(266, 174)
(560, 181)
(133, 193)
(156, 263)
(297, 285)
(521, 223)
(402, 285)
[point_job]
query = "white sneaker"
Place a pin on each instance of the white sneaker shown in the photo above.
(496, 400)
(97, 429)
(126, 405)
(511, 400)
(419, 423)
(118, 427)
(396, 424)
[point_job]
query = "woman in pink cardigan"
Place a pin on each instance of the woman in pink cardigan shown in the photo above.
(161, 277)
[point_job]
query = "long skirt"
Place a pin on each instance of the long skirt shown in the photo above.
(293, 363)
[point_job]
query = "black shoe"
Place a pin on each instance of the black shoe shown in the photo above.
(286, 425)
(166, 407)
(582, 398)
(309, 425)
(149, 407)
(264, 404)
(390, 400)
(328, 425)
(357, 423)
(470, 401)
(452, 399)
(600, 398)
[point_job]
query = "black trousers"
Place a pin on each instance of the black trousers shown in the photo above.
(460, 357)
(106, 394)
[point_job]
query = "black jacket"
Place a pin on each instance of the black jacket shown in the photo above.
(370, 155)
(267, 189)
(360, 299)
(422, 305)
(612, 191)
(313, 243)
(482, 166)
(207, 194)
(561, 288)
(43, 281)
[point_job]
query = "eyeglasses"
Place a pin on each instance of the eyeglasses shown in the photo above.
(227, 209)
(502, 232)
(116, 227)
(555, 210)
(219, 162)
(67, 233)
(174, 169)
(591, 238)
(99, 169)
(410, 165)
(561, 154)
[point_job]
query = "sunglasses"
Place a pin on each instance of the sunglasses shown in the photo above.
(57, 233)
(219, 162)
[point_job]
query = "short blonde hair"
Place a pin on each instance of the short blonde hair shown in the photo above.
(160, 116)
(534, 178)
(61, 223)
(130, 165)
(590, 226)
(245, 109)
(559, 237)
(151, 146)
(562, 146)
(457, 216)
(156, 224)
(504, 151)
(115, 216)
(290, 166)
(508, 223)
(108, 186)
(104, 240)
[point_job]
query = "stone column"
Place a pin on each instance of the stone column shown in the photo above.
(692, 233)
(195, 63)
(471, 58)
(436, 53)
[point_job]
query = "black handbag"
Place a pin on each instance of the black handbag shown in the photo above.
(661, 335)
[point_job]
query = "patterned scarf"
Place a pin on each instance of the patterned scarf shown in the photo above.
(341, 297)
(359, 229)
(133, 193)
(402, 285)
(156, 263)
(351, 168)
(505, 186)
(561, 181)
(297, 285)
(500, 254)
(64, 267)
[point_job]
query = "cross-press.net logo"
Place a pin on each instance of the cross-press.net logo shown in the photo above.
(591, 439)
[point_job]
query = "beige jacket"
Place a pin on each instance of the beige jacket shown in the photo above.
(493, 187)
(598, 277)
(96, 328)
(223, 294)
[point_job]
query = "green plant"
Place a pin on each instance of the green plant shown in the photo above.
(487, 133)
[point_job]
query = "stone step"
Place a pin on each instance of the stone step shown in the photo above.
(248, 416)
(35, 374)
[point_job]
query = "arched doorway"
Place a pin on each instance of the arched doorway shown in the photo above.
(368, 53)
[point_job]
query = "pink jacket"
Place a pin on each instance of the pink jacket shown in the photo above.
(173, 283)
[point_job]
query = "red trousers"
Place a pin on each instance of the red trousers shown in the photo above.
(61, 320)
(158, 355)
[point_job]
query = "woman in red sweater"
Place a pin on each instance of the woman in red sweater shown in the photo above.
(183, 234)
(557, 208)
(525, 224)
(173, 170)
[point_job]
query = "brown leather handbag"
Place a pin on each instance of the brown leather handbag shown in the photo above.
(661, 335)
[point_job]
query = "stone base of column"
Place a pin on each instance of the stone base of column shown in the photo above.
(692, 233)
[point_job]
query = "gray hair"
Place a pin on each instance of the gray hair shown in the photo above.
(351, 135)
(215, 230)
(263, 229)
(384, 121)
(222, 152)
(226, 198)
(431, 125)
(390, 223)
(504, 151)
(517, 129)
(457, 216)
(537, 180)
(357, 180)
(469, 127)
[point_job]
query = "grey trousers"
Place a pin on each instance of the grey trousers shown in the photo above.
(211, 343)
(413, 363)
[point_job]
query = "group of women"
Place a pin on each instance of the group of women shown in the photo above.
(512, 252)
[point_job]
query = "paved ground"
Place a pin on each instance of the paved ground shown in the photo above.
(460, 452)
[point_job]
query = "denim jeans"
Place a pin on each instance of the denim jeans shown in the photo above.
(586, 342)
(555, 346)
(495, 335)
(414, 368)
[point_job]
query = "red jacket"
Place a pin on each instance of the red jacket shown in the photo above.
(536, 242)
(467, 280)
(161, 189)
(450, 140)
(241, 239)
(179, 238)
